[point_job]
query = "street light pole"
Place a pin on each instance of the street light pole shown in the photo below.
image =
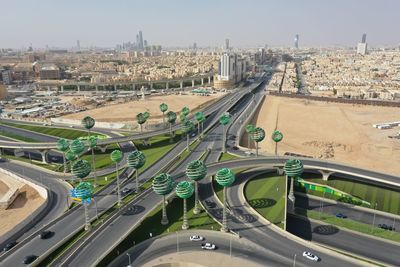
(294, 260)
(230, 246)
(177, 242)
(373, 221)
(129, 257)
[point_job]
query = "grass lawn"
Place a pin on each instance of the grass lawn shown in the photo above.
(227, 156)
(266, 194)
(152, 224)
(53, 131)
(387, 200)
(350, 224)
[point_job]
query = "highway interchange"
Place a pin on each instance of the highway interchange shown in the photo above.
(245, 223)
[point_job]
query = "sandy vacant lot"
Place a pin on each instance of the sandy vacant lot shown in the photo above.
(339, 132)
(126, 112)
(26, 203)
(3, 188)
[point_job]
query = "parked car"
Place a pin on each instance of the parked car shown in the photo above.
(29, 259)
(235, 148)
(310, 256)
(45, 234)
(386, 227)
(341, 215)
(9, 245)
(196, 238)
(126, 190)
(208, 246)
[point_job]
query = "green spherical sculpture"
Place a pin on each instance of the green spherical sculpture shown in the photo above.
(185, 111)
(249, 128)
(293, 167)
(163, 107)
(171, 117)
(77, 146)
(69, 155)
(162, 184)
(62, 145)
(136, 159)
(81, 168)
(277, 136)
(146, 115)
(140, 118)
(225, 177)
(187, 126)
(84, 190)
(196, 170)
(199, 116)
(92, 141)
(182, 118)
(116, 156)
(224, 119)
(184, 190)
(258, 134)
(88, 122)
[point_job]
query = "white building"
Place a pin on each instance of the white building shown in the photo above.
(231, 70)
(362, 48)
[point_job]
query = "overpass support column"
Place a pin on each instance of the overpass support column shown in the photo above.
(167, 85)
(48, 88)
(44, 156)
(209, 79)
(79, 88)
(151, 86)
(279, 170)
(133, 87)
(192, 83)
(62, 88)
(325, 174)
(202, 81)
(115, 87)
(103, 148)
(97, 88)
(181, 84)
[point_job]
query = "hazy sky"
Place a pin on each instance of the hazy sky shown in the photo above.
(59, 23)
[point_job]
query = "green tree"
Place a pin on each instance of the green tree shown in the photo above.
(116, 156)
(136, 160)
(163, 185)
(185, 111)
(225, 177)
(195, 171)
(171, 117)
(184, 190)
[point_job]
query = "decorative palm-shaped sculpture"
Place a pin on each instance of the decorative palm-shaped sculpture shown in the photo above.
(88, 123)
(136, 160)
(84, 191)
(184, 190)
(293, 168)
(277, 136)
(163, 185)
(116, 157)
(185, 111)
(249, 129)
(171, 118)
(225, 177)
(140, 118)
(258, 134)
(182, 117)
(147, 116)
(63, 146)
(200, 120)
(70, 156)
(224, 120)
(195, 171)
(187, 127)
(77, 147)
(163, 108)
(81, 168)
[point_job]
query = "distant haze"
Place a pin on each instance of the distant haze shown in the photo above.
(207, 22)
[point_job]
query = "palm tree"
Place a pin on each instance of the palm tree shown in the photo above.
(163, 108)
(88, 122)
(184, 190)
(140, 118)
(63, 146)
(195, 171)
(77, 147)
(171, 117)
(116, 157)
(147, 116)
(187, 126)
(81, 169)
(84, 191)
(258, 134)
(136, 160)
(249, 129)
(200, 119)
(225, 177)
(293, 168)
(277, 136)
(163, 185)
(224, 120)
(185, 111)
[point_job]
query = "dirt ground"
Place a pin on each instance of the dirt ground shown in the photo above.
(26, 203)
(126, 112)
(338, 132)
(3, 188)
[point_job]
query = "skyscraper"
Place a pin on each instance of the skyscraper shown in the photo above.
(78, 45)
(226, 44)
(194, 46)
(296, 41)
(141, 44)
(364, 38)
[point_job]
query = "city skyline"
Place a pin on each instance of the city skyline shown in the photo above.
(179, 24)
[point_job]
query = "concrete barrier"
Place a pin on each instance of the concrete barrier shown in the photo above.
(100, 124)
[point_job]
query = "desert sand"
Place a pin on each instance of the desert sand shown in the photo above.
(337, 132)
(126, 112)
(3, 188)
(26, 203)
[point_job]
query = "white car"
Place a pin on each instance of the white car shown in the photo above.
(208, 246)
(196, 238)
(310, 256)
